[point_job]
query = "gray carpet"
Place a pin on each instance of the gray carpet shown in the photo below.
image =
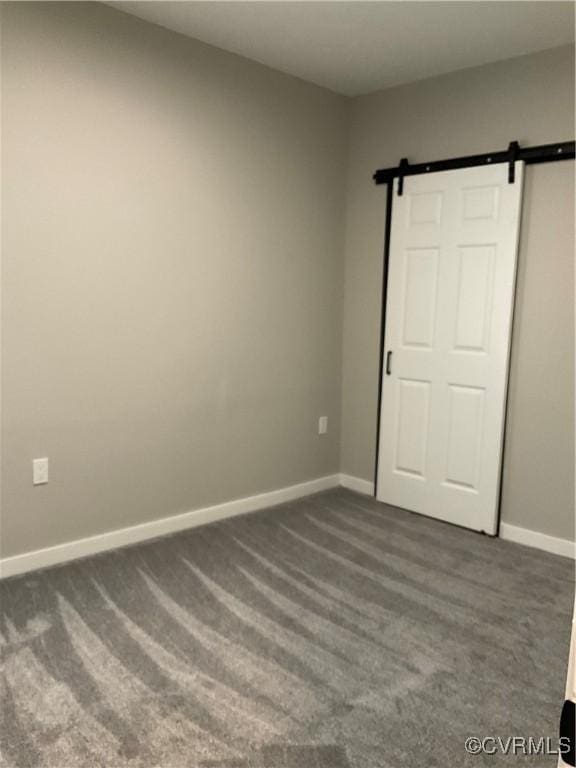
(332, 632)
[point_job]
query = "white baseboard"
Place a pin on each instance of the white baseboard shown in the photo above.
(557, 546)
(357, 484)
(72, 550)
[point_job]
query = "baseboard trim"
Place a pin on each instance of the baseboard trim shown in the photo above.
(92, 545)
(538, 540)
(357, 484)
(72, 550)
(556, 546)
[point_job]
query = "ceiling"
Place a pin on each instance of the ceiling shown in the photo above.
(357, 47)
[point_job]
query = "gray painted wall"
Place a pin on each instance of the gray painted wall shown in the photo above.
(172, 273)
(478, 110)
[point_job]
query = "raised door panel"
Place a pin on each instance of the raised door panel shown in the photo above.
(420, 291)
(465, 425)
(412, 425)
(474, 294)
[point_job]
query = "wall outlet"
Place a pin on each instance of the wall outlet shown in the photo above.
(40, 471)
(323, 425)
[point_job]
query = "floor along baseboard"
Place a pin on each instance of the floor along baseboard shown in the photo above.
(72, 550)
(529, 538)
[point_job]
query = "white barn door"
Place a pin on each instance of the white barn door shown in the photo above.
(451, 279)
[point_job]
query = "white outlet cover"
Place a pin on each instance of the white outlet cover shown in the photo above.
(40, 471)
(323, 425)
